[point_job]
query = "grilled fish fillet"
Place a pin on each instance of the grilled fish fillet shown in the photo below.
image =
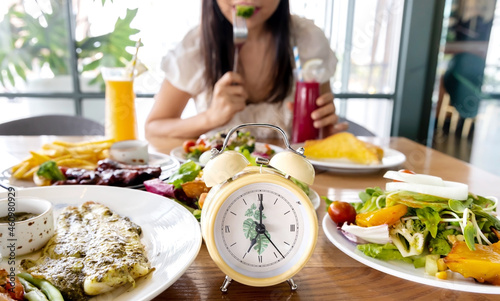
(93, 251)
(344, 145)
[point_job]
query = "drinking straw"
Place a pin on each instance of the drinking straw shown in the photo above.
(297, 63)
(134, 58)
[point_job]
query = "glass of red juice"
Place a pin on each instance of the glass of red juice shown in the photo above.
(306, 94)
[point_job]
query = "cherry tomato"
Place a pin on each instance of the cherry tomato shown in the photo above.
(187, 145)
(342, 212)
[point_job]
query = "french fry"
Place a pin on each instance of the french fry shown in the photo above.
(72, 162)
(105, 143)
(53, 150)
(85, 154)
(88, 157)
(103, 155)
(38, 158)
(18, 165)
(57, 159)
(19, 173)
(29, 174)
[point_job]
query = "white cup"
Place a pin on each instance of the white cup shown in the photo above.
(133, 152)
(29, 235)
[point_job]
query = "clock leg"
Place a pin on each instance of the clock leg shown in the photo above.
(292, 284)
(225, 284)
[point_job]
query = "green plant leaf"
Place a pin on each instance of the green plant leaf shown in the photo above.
(10, 77)
(92, 65)
(262, 243)
(249, 228)
(250, 211)
(469, 235)
(256, 215)
(27, 44)
(20, 71)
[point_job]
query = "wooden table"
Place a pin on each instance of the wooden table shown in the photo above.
(330, 274)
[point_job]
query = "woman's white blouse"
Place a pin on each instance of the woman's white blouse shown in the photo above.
(184, 68)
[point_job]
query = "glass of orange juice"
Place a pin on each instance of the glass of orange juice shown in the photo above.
(120, 118)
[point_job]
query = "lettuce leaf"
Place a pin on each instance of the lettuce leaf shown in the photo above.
(383, 252)
(187, 172)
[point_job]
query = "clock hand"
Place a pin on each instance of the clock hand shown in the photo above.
(261, 207)
(253, 242)
(273, 244)
(260, 229)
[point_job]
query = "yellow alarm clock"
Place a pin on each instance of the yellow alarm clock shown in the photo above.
(259, 227)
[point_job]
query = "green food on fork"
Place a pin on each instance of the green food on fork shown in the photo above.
(245, 11)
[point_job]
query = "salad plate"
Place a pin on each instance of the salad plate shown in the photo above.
(401, 269)
(170, 233)
(179, 153)
(167, 163)
(392, 158)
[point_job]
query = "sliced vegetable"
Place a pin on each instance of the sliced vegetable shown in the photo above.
(205, 157)
(52, 293)
(431, 264)
(483, 264)
(32, 293)
(194, 189)
(387, 215)
(409, 177)
(201, 200)
(416, 200)
(449, 190)
(409, 237)
(376, 234)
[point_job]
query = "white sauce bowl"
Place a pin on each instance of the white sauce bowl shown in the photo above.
(23, 237)
(133, 152)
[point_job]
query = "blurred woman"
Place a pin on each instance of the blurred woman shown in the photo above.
(262, 89)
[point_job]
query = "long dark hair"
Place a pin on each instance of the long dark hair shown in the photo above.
(218, 48)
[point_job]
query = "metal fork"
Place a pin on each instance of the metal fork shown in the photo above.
(240, 34)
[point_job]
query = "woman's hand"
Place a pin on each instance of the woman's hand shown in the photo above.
(324, 116)
(229, 97)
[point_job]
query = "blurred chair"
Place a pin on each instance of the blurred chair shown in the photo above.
(64, 125)
(356, 129)
(462, 83)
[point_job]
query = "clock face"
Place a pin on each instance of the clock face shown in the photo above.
(259, 229)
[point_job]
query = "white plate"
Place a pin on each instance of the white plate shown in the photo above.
(404, 270)
(170, 233)
(392, 158)
(179, 153)
(167, 163)
(315, 199)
